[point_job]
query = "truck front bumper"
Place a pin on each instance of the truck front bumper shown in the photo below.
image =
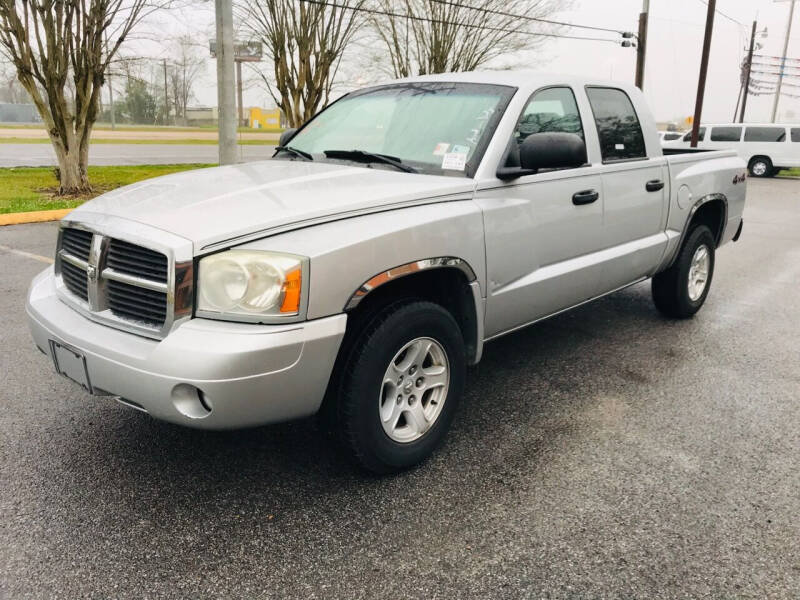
(205, 374)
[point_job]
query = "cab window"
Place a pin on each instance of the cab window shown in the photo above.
(618, 125)
(552, 110)
(795, 134)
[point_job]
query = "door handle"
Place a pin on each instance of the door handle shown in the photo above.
(585, 197)
(655, 186)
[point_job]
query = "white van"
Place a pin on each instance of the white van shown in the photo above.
(767, 148)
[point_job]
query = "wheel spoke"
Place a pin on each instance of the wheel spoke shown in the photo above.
(416, 419)
(435, 376)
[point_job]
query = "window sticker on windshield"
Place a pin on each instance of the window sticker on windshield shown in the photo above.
(454, 161)
(441, 149)
(459, 149)
(619, 146)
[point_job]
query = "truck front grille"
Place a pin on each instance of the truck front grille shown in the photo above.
(75, 280)
(137, 303)
(122, 283)
(137, 261)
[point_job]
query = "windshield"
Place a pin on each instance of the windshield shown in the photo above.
(437, 128)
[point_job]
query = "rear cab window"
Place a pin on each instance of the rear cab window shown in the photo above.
(726, 134)
(701, 135)
(618, 125)
(796, 134)
(765, 134)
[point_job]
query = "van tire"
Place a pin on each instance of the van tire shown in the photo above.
(761, 166)
(672, 293)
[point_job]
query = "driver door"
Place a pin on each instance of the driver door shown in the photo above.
(539, 229)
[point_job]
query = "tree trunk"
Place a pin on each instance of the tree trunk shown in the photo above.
(73, 177)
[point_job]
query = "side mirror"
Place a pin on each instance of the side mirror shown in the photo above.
(552, 151)
(287, 136)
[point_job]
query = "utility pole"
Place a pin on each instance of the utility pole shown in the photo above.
(701, 84)
(225, 84)
(783, 62)
(166, 95)
(641, 48)
(239, 92)
(749, 68)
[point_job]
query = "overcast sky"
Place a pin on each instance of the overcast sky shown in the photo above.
(674, 49)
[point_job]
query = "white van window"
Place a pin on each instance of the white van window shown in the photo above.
(765, 134)
(726, 134)
(701, 134)
(796, 135)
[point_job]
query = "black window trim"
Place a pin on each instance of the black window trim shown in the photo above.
(615, 161)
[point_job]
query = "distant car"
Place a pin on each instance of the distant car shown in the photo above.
(767, 148)
(669, 136)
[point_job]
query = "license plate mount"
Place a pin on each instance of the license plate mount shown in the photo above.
(71, 363)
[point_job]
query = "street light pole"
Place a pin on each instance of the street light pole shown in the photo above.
(749, 69)
(783, 63)
(225, 82)
(701, 84)
(641, 48)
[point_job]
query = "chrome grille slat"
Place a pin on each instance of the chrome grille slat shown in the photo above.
(136, 260)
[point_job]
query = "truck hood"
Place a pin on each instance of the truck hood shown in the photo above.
(216, 205)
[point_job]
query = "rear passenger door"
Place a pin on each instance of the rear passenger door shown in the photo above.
(635, 191)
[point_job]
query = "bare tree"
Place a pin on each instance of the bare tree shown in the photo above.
(305, 42)
(10, 89)
(52, 41)
(184, 73)
(439, 36)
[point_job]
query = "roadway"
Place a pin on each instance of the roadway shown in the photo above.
(42, 155)
(605, 453)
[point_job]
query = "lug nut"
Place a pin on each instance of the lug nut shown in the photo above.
(412, 370)
(399, 399)
(420, 381)
(411, 400)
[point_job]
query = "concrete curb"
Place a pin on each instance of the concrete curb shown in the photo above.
(38, 216)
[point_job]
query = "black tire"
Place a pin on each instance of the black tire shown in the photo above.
(761, 166)
(358, 410)
(671, 287)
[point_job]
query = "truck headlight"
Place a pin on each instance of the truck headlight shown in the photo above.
(250, 285)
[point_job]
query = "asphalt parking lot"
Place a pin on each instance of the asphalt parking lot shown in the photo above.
(604, 453)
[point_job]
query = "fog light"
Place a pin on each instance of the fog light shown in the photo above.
(190, 401)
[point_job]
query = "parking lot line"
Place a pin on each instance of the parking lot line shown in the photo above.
(10, 250)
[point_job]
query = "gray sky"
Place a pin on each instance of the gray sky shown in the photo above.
(675, 44)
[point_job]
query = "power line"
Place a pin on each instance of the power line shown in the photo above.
(525, 17)
(386, 13)
(722, 14)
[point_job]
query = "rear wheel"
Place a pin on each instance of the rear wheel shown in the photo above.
(680, 291)
(761, 166)
(401, 384)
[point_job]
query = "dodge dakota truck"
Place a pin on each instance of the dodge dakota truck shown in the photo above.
(360, 271)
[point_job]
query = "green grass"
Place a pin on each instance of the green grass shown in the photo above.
(790, 173)
(168, 142)
(107, 127)
(29, 189)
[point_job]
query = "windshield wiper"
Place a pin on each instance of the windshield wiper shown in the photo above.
(294, 151)
(368, 157)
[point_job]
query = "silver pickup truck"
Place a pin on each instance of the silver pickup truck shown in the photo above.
(361, 270)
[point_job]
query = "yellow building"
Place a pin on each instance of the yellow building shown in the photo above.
(262, 118)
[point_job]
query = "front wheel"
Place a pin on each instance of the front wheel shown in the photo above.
(681, 290)
(401, 385)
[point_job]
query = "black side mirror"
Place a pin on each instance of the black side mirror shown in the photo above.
(287, 136)
(553, 150)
